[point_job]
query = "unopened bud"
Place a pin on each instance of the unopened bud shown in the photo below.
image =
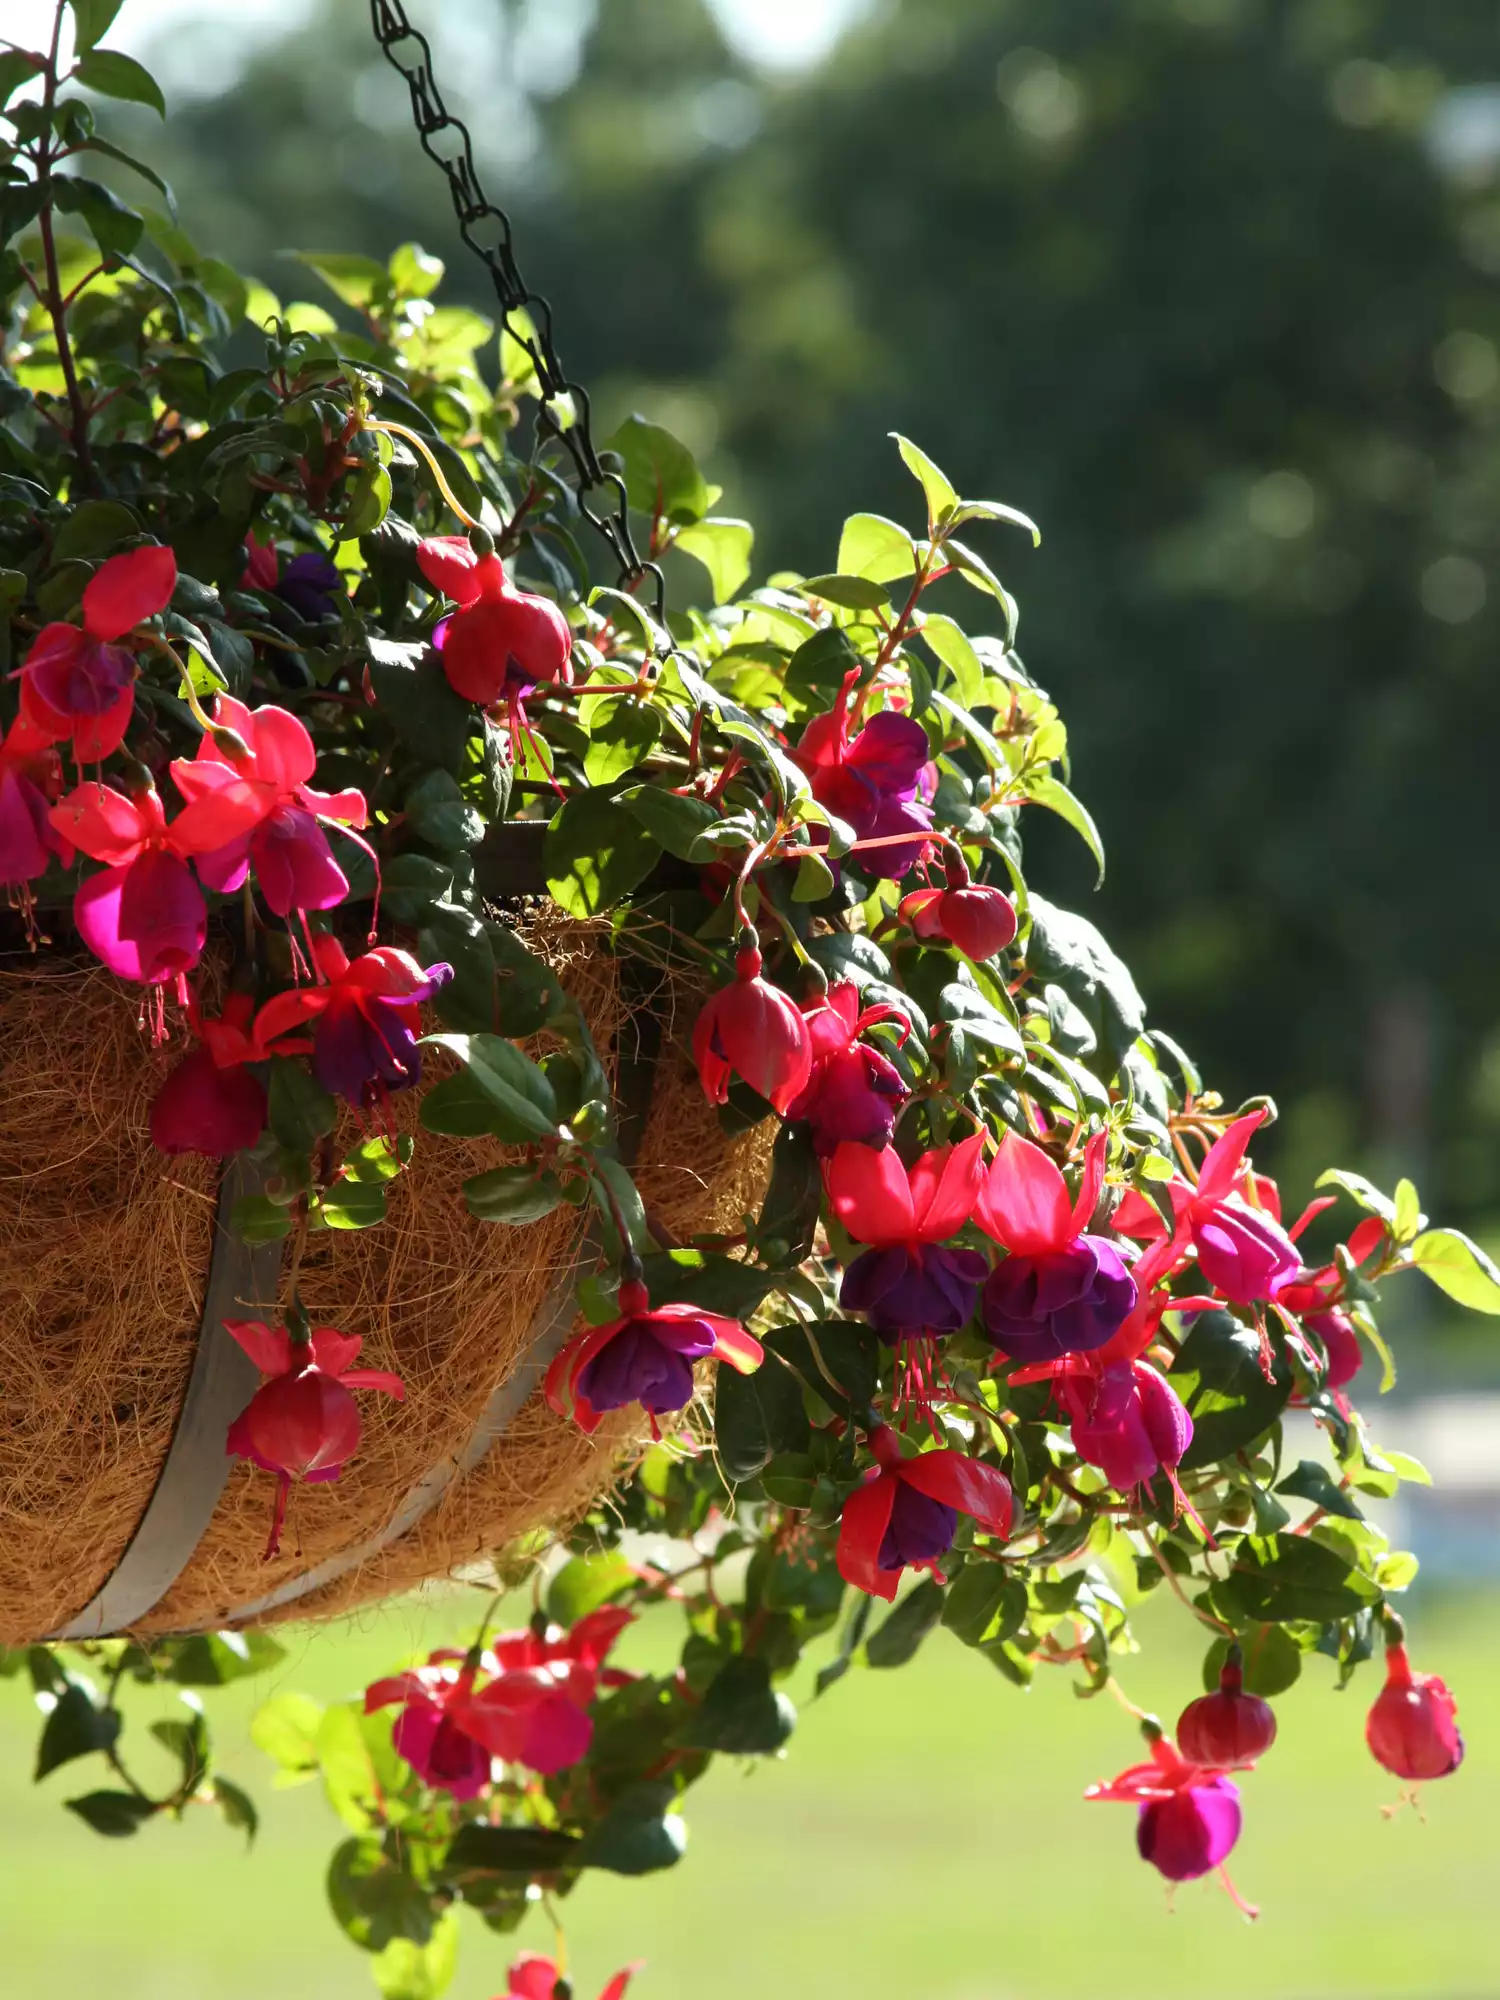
(481, 541)
(230, 741)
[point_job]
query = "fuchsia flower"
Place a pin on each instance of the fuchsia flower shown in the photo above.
(1060, 1290)
(501, 641)
(302, 1423)
(979, 920)
(533, 1977)
(753, 1030)
(144, 915)
(871, 779)
(1242, 1251)
(259, 809)
(854, 1092)
(1228, 1729)
(368, 1016)
(1189, 1817)
(909, 1280)
(643, 1357)
(77, 686)
(1127, 1419)
(1412, 1728)
(429, 1731)
(211, 1103)
(906, 1513)
(310, 584)
(1340, 1345)
(30, 778)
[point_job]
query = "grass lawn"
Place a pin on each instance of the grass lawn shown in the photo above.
(923, 1840)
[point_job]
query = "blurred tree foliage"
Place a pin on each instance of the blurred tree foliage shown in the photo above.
(1207, 286)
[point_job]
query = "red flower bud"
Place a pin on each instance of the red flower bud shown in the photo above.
(1412, 1727)
(756, 1031)
(1229, 1728)
(202, 1108)
(979, 920)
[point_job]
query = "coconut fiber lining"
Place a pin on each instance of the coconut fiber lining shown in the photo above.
(104, 1249)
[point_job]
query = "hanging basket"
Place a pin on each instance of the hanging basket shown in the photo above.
(119, 1508)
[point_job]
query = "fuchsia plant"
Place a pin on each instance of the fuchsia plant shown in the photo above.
(1016, 1311)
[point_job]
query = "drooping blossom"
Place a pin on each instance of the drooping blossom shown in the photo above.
(753, 1030)
(1059, 1290)
(1228, 1729)
(202, 1108)
(501, 641)
(257, 809)
(30, 779)
(143, 915)
(978, 919)
(1189, 1818)
(910, 1280)
(1242, 1250)
(429, 1731)
(906, 1513)
(870, 778)
(365, 1017)
(302, 1422)
(1345, 1357)
(854, 1091)
(534, 1707)
(78, 686)
(1125, 1418)
(644, 1356)
(1412, 1727)
(310, 584)
(533, 1977)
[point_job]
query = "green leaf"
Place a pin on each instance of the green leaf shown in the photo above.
(1218, 1375)
(92, 20)
(874, 547)
(187, 1741)
(111, 74)
(1458, 1266)
(515, 1195)
(1281, 1578)
(114, 1814)
(673, 821)
(723, 547)
(985, 1603)
(756, 1416)
(286, 1729)
(596, 853)
(1314, 1482)
(94, 529)
(412, 694)
(995, 510)
(855, 593)
(237, 1807)
(707, 1279)
(789, 1214)
(351, 1204)
(301, 1110)
(586, 1582)
(741, 1714)
(661, 475)
(438, 812)
(1364, 1192)
(77, 1727)
(214, 1659)
(409, 1971)
(376, 1160)
(356, 280)
(510, 1850)
(255, 1218)
(113, 226)
(637, 1835)
(374, 1899)
(458, 1107)
(1273, 1660)
(1070, 951)
(976, 571)
(623, 731)
(941, 494)
(514, 1084)
(1042, 790)
(894, 1642)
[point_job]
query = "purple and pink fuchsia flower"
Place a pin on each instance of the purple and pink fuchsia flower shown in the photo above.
(643, 1356)
(911, 1280)
(905, 1515)
(78, 686)
(753, 1030)
(871, 780)
(1189, 1818)
(364, 1017)
(854, 1092)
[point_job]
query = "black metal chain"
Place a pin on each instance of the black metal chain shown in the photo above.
(487, 231)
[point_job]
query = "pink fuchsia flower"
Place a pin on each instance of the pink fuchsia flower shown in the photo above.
(1125, 1418)
(871, 780)
(1228, 1729)
(310, 584)
(906, 1513)
(1242, 1251)
(978, 919)
(144, 915)
(533, 1977)
(643, 1357)
(1345, 1357)
(853, 1092)
(428, 1732)
(1189, 1817)
(202, 1108)
(302, 1422)
(753, 1030)
(533, 1710)
(30, 778)
(1412, 1728)
(258, 809)
(79, 687)
(501, 641)
(910, 1280)
(1059, 1290)
(367, 1014)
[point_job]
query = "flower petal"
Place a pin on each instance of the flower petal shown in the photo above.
(127, 589)
(945, 1185)
(960, 1481)
(270, 1348)
(1024, 1203)
(870, 1194)
(1222, 1162)
(866, 1516)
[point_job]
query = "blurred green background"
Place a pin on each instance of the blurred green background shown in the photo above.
(1209, 288)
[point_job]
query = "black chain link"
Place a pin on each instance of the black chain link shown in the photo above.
(487, 231)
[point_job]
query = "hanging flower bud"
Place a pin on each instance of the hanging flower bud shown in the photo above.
(1340, 1343)
(1412, 1727)
(202, 1108)
(753, 1030)
(1228, 1728)
(979, 920)
(500, 641)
